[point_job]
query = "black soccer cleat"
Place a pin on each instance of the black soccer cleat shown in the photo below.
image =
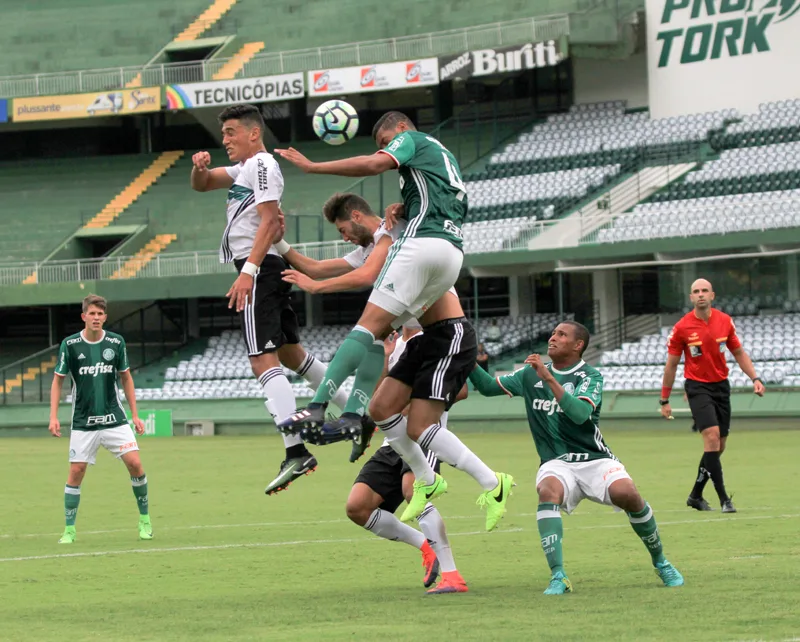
(728, 507)
(332, 432)
(698, 503)
(290, 470)
(362, 437)
(310, 418)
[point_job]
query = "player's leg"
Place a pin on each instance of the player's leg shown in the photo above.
(306, 365)
(706, 415)
(83, 445)
(133, 463)
(552, 494)
(723, 404)
(622, 493)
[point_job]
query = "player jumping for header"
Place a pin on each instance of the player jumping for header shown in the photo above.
(563, 401)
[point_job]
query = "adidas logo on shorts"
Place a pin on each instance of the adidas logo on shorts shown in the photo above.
(269, 345)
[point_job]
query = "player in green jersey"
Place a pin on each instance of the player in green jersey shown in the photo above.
(94, 357)
(563, 401)
(422, 265)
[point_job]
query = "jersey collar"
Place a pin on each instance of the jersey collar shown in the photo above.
(580, 364)
(85, 340)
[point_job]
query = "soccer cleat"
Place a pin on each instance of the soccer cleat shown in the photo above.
(362, 437)
(290, 470)
(451, 582)
(698, 503)
(145, 527)
(69, 535)
(430, 563)
(669, 574)
(727, 506)
(311, 418)
(495, 500)
(559, 584)
(422, 495)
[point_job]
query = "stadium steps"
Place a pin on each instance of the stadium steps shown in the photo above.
(31, 373)
(238, 61)
(134, 190)
(144, 256)
(205, 20)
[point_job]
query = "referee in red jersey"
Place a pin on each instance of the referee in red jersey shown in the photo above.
(702, 336)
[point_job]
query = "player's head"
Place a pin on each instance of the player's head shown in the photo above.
(242, 131)
(352, 216)
(568, 342)
(389, 125)
(94, 312)
(702, 294)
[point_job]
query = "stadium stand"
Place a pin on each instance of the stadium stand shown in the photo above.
(775, 122)
(52, 35)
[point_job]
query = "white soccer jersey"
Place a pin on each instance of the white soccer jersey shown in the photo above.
(359, 256)
(256, 180)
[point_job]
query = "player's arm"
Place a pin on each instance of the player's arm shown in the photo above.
(490, 386)
(126, 379)
(355, 167)
(746, 364)
(317, 269)
(204, 179)
(577, 409)
(55, 400)
(674, 350)
(361, 277)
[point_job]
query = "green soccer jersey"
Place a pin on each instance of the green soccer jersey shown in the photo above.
(555, 435)
(94, 368)
(434, 195)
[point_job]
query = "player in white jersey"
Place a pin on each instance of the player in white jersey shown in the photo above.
(386, 480)
(359, 225)
(260, 296)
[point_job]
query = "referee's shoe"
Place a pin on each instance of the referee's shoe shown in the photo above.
(698, 503)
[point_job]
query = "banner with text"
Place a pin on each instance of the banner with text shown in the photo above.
(157, 423)
(114, 103)
(381, 77)
(704, 56)
(231, 92)
(501, 60)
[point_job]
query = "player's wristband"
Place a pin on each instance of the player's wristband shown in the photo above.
(758, 379)
(665, 392)
(282, 247)
(250, 268)
(663, 402)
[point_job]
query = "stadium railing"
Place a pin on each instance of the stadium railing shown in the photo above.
(357, 53)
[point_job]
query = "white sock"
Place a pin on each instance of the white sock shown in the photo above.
(395, 431)
(313, 371)
(280, 400)
(431, 523)
(386, 525)
(451, 450)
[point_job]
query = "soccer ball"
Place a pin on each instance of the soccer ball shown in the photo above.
(335, 122)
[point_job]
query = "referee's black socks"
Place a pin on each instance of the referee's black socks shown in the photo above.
(701, 480)
(714, 467)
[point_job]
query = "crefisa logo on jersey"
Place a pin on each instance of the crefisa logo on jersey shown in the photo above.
(96, 369)
(108, 354)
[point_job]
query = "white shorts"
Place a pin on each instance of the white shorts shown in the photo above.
(83, 444)
(417, 273)
(584, 480)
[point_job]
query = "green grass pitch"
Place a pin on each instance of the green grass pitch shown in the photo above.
(229, 563)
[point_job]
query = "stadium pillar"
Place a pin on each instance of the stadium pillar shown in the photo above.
(193, 318)
(313, 305)
(443, 101)
(606, 290)
(521, 299)
(299, 121)
(792, 289)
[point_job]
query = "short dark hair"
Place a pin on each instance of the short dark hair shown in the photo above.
(250, 115)
(341, 206)
(96, 300)
(581, 333)
(391, 119)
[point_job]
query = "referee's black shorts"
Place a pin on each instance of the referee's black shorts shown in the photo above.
(268, 319)
(710, 404)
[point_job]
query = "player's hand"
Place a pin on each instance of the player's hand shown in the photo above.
(300, 280)
(535, 361)
(201, 161)
(392, 213)
(282, 221)
(296, 158)
(240, 292)
(666, 411)
(138, 426)
(389, 343)
(55, 428)
(759, 388)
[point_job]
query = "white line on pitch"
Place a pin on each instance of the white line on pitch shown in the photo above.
(321, 522)
(214, 547)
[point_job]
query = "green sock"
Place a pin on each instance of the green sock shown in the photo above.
(367, 376)
(72, 498)
(139, 485)
(344, 363)
(551, 529)
(644, 524)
